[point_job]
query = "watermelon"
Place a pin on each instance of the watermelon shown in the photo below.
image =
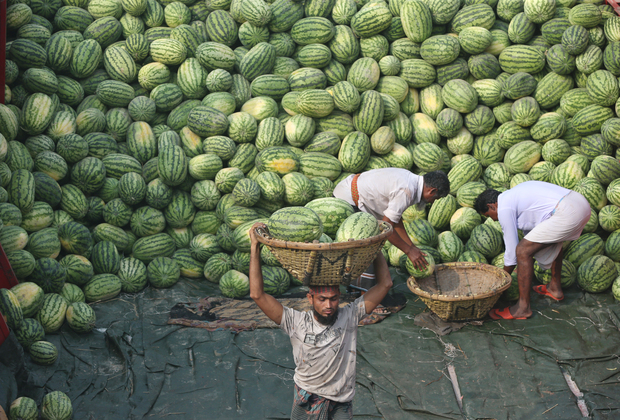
(80, 317)
(56, 406)
(72, 293)
(418, 273)
(11, 309)
(43, 353)
(234, 284)
(596, 274)
(567, 277)
(441, 211)
(297, 224)
(332, 212)
(30, 298)
(52, 312)
(276, 280)
(357, 226)
(588, 245)
(472, 256)
(23, 408)
(216, 266)
(486, 240)
(132, 274)
(163, 272)
(463, 222)
(449, 246)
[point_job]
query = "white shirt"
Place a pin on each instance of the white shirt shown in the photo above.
(325, 356)
(523, 207)
(384, 192)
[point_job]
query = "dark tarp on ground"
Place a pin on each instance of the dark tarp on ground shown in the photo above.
(135, 366)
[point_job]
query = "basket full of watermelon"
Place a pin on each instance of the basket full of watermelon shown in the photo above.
(301, 240)
(459, 291)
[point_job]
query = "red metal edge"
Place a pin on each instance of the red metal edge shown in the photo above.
(2, 49)
(7, 275)
(7, 280)
(615, 5)
(4, 330)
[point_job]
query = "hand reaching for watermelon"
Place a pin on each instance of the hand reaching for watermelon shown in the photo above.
(417, 258)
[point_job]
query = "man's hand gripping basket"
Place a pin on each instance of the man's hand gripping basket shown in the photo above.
(461, 291)
(326, 264)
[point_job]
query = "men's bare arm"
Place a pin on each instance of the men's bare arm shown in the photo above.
(509, 268)
(267, 303)
(400, 240)
(375, 295)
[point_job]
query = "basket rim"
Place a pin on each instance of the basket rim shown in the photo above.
(263, 237)
(412, 284)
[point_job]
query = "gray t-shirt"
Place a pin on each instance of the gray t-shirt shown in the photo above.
(325, 356)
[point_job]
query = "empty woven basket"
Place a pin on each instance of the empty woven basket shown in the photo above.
(326, 264)
(461, 291)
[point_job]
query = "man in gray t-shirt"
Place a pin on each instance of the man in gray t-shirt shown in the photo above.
(324, 339)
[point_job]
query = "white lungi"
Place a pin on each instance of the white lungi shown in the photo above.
(565, 224)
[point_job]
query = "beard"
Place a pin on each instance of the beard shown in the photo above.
(325, 320)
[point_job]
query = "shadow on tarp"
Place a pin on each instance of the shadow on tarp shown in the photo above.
(135, 366)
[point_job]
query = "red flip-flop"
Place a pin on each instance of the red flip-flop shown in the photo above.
(503, 314)
(542, 290)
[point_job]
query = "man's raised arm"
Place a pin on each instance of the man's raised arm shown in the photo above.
(375, 295)
(267, 303)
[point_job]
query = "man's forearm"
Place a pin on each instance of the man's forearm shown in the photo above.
(375, 295)
(267, 303)
(256, 276)
(382, 273)
(509, 268)
(399, 237)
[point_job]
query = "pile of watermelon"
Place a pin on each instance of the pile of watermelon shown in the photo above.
(56, 405)
(31, 313)
(141, 139)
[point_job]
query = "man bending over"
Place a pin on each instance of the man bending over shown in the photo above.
(548, 215)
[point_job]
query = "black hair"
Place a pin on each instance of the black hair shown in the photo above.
(486, 197)
(439, 180)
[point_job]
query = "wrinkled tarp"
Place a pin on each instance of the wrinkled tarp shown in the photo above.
(220, 313)
(135, 366)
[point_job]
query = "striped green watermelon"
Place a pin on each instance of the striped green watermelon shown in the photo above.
(441, 211)
(485, 240)
(56, 405)
(449, 246)
(332, 212)
(234, 284)
(43, 353)
(276, 280)
(80, 317)
(415, 272)
(588, 245)
(463, 222)
(297, 224)
(596, 274)
(132, 274)
(357, 226)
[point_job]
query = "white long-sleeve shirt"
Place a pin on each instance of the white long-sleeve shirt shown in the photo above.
(384, 192)
(523, 207)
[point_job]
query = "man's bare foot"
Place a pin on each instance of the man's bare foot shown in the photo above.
(506, 313)
(517, 312)
(548, 291)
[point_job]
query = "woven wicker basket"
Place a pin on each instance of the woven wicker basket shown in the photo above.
(461, 291)
(326, 264)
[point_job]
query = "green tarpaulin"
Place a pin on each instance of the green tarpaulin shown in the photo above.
(136, 366)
